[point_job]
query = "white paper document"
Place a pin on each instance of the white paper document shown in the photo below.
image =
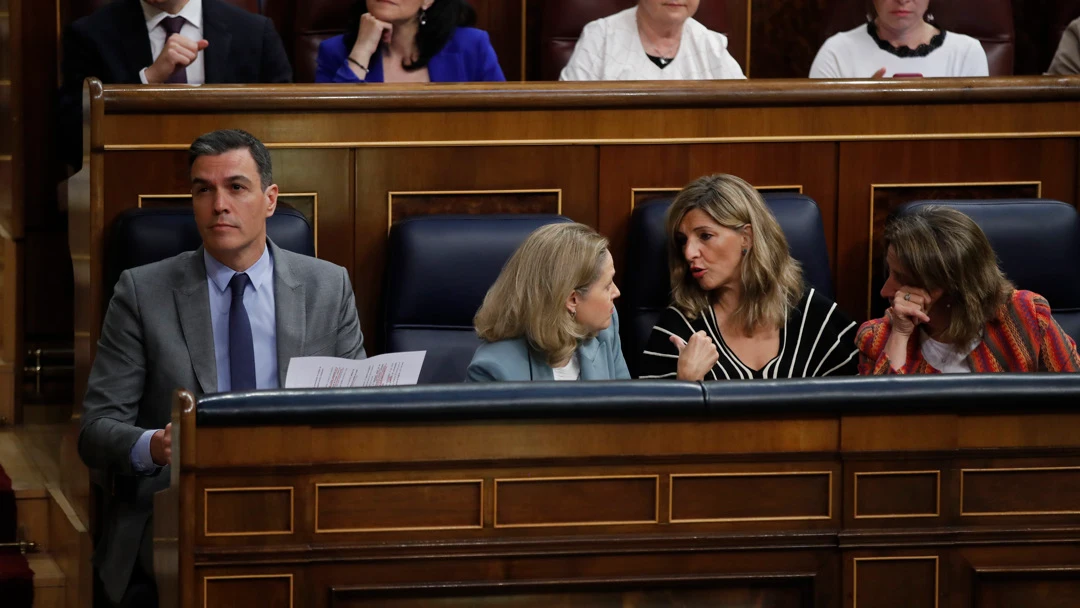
(391, 369)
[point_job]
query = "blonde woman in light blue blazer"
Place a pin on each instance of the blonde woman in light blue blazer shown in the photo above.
(551, 313)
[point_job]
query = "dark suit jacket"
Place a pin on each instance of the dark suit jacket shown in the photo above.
(112, 44)
(158, 337)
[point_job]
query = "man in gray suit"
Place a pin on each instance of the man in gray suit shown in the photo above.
(228, 316)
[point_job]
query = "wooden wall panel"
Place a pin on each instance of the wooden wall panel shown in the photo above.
(867, 166)
(387, 506)
(626, 169)
(909, 581)
(752, 497)
(269, 590)
(569, 170)
(538, 502)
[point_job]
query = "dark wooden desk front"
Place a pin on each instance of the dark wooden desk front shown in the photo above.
(886, 510)
(356, 158)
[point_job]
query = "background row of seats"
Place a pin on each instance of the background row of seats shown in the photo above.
(440, 266)
(303, 24)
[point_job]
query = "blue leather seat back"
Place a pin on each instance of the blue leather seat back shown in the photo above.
(1037, 242)
(439, 268)
(646, 286)
(144, 236)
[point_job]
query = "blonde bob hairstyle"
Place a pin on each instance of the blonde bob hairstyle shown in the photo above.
(942, 248)
(529, 297)
(771, 280)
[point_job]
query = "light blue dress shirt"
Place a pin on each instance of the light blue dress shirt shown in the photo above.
(259, 302)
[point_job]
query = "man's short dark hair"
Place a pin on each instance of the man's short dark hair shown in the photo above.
(226, 140)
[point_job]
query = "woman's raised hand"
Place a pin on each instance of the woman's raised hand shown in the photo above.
(696, 357)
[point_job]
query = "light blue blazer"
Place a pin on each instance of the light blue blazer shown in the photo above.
(600, 358)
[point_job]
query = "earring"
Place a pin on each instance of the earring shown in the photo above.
(744, 251)
(573, 314)
(423, 17)
(929, 17)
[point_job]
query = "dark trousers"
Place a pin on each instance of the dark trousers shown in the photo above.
(141, 591)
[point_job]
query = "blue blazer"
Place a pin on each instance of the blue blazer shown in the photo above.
(467, 57)
(601, 358)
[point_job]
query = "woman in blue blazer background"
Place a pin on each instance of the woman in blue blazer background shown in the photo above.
(409, 41)
(551, 313)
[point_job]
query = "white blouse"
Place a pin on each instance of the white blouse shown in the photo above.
(858, 54)
(570, 371)
(611, 49)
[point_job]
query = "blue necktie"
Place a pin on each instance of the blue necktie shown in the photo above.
(241, 350)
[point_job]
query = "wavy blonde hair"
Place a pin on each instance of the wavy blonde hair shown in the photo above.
(942, 248)
(529, 297)
(771, 279)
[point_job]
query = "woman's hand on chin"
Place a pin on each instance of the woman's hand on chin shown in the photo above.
(696, 357)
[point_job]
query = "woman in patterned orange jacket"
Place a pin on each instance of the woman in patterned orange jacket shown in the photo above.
(953, 310)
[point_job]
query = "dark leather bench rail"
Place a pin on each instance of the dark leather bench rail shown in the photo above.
(937, 393)
(968, 393)
(422, 403)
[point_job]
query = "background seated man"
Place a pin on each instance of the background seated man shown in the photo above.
(228, 316)
(166, 41)
(409, 41)
(655, 40)
(952, 309)
(1067, 58)
(899, 38)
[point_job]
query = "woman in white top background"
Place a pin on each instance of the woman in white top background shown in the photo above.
(899, 39)
(655, 40)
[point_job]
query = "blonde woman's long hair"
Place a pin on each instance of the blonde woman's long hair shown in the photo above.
(942, 248)
(772, 281)
(529, 297)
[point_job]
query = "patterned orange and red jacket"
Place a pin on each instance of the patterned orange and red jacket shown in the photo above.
(1024, 337)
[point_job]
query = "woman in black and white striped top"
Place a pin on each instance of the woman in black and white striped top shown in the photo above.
(740, 309)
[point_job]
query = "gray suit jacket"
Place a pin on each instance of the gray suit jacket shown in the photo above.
(601, 358)
(157, 337)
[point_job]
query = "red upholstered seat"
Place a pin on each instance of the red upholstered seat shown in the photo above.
(561, 22)
(988, 21)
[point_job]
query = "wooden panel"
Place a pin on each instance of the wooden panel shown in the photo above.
(576, 501)
(406, 505)
(1020, 491)
(866, 167)
(248, 511)
(895, 582)
(632, 173)
(774, 592)
(5, 46)
(767, 496)
(11, 343)
(897, 494)
(271, 591)
(1034, 588)
(380, 171)
(408, 204)
(502, 20)
(799, 23)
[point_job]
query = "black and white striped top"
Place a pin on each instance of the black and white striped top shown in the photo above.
(817, 340)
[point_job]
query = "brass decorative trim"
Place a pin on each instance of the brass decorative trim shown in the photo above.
(207, 579)
(286, 195)
(411, 482)
(79, 333)
(558, 192)
(873, 187)
(937, 495)
(674, 476)
(625, 141)
(855, 574)
(656, 507)
(5, 158)
(292, 511)
(635, 191)
(964, 513)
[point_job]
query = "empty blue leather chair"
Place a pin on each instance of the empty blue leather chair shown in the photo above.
(1037, 242)
(143, 236)
(439, 269)
(646, 286)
